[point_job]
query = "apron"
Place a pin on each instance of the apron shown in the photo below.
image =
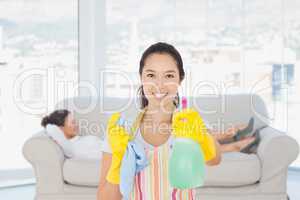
(152, 183)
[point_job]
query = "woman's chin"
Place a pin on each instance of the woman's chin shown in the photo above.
(161, 103)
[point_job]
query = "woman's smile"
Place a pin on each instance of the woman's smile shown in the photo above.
(160, 96)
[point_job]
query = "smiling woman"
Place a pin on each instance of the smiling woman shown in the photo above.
(37, 39)
(161, 72)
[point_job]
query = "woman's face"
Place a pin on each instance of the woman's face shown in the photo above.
(70, 127)
(160, 80)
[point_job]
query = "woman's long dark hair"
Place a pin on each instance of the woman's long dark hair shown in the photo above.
(160, 48)
(57, 118)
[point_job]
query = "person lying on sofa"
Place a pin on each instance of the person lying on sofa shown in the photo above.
(161, 71)
(61, 126)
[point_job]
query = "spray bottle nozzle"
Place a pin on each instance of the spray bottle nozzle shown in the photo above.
(184, 102)
(121, 122)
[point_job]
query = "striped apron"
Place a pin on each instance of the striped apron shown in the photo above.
(152, 183)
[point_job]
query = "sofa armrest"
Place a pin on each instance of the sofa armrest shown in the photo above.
(276, 151)
(47, 159)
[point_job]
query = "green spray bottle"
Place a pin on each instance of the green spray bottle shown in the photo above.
(186, 164)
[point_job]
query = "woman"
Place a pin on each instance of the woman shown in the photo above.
(161, 72)
(61, 126)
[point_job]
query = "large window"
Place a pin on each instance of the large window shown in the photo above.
(233, 45)
(38, 67)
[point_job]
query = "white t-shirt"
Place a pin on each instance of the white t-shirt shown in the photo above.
(87, 147)
(83, 147)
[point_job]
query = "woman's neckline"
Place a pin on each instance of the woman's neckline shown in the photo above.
(152, 145)
(142, 136)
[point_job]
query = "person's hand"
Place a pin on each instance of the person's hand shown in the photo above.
(187, 123)
(118, 139)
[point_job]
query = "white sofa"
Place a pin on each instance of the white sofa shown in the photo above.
(261, 176)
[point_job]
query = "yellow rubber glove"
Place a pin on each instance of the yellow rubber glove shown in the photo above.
(118, 139)
(187, 123)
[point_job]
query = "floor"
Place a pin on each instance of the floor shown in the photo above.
(27, 192)
(294, 185)
(16, 193)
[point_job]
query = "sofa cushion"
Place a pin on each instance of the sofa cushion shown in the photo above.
(236, 169)
(81, 172)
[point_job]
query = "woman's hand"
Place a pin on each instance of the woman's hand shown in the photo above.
(189, 124)
(118, 139)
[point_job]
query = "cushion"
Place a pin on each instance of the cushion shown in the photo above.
(235, 169)
(83, 172)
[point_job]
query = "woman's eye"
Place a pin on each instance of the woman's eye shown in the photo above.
(170, 76)
(150, 75)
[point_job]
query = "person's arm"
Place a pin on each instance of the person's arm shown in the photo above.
(218, 157)
(107, 190)
(114, 148)
(58, 136)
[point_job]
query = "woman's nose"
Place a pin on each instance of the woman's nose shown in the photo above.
(160, 86)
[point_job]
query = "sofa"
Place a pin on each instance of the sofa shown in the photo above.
(239, 176)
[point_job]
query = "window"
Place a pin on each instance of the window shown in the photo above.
(38, 60)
